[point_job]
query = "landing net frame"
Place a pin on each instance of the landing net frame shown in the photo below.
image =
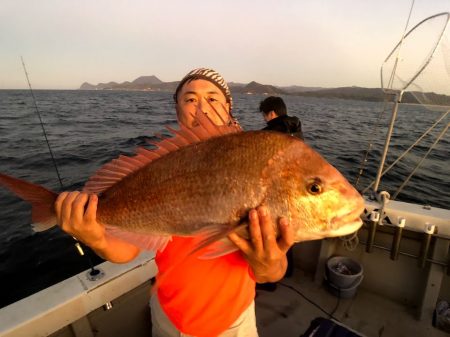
(398, 83)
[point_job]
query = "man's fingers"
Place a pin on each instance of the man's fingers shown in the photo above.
(58, 206)
(287, 235)
(91, 211)
(78, 207)
(223, 115)
(66, 208)
(267, 229)
(241, 243)
(255, 230)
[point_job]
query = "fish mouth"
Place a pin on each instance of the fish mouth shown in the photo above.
(346, 224)
(350, 217)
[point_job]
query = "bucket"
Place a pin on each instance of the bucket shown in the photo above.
(343, 276)
(344, 292)
(343, 271)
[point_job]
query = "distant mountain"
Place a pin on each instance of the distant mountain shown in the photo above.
(377, 95)
(236, 84)
(292, 89)
(140, 83)
(152, 83)
(257, 88)
(426, 98)
(365, 94)
(150, 80)
(87, 86)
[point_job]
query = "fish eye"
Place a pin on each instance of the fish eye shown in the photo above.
(315, 188)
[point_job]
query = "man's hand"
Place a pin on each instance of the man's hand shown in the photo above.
(265, 254)
(76, 213)
(74, 220)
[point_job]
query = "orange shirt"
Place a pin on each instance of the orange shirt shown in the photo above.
(202, 297)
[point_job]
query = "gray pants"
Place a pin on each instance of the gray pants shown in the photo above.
(244, 326)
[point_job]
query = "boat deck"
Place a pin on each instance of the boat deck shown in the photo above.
(117, 304)
(286, 313)
(281, 313)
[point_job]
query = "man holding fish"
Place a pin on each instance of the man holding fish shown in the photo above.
(221, 207)
(201, 90)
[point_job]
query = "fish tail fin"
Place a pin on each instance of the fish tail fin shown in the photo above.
(41, 199)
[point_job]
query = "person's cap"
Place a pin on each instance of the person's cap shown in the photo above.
(209, 75)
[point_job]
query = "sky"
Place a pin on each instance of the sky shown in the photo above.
(281, 42)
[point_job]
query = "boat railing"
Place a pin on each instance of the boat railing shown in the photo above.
(58, 306)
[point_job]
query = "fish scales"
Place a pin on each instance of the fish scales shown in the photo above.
(213, 182)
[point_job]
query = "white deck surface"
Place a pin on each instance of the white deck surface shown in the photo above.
(287, 314)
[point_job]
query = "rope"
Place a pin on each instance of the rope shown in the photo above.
(350, 242)
(369, 147)
(420, 162)
(330, 315)
(409, 149)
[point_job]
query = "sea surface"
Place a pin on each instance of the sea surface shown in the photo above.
(89, 128)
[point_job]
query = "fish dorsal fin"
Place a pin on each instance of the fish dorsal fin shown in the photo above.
(114, 171)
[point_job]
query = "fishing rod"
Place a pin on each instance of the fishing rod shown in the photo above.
(78, 246)
(42, 125)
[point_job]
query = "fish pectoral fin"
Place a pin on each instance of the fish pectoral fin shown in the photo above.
(143, 241)
(43, 226)
(213, 240)
(218, 248)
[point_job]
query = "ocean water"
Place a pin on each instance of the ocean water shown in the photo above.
(89, 128)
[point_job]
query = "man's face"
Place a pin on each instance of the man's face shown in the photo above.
(201, 96)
